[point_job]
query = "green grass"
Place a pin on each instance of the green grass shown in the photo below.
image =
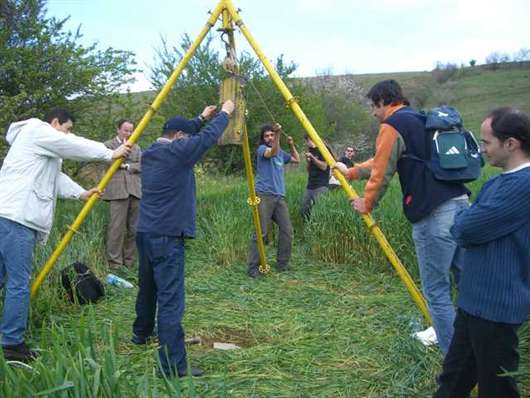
(337, 325)
(479, 92)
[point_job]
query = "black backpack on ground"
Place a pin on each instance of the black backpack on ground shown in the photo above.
(81, 285)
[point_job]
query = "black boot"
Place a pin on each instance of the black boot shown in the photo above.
(19, 352)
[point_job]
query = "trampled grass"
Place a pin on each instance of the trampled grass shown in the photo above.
(337, 325)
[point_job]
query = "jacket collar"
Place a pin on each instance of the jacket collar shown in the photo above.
(393, 109)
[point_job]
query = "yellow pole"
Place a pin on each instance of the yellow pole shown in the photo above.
(116, 164)
(253, 200)
(297, 110)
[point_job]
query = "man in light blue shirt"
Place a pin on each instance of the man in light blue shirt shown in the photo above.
(270, 187)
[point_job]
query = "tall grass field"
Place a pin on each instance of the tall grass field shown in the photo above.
(338, 324)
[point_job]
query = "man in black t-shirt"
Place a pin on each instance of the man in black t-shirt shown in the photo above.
(317, 181)
(347, 158)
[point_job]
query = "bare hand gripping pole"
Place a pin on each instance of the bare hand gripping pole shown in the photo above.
(134, 137)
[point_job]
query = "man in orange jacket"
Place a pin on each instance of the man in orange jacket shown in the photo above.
(429, 204)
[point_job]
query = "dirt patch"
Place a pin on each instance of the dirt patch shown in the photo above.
(240, 337)
(294, 282)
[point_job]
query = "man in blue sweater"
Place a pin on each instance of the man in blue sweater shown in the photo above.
(167, 217)
(494, 289)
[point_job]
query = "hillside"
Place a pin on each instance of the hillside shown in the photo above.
(474, 91)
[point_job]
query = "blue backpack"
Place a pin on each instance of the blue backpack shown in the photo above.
(455, 153)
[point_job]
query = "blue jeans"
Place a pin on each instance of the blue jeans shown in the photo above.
(161, 283)
(438, 255)
(16, 257)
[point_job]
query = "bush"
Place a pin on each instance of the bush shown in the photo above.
(444, 72)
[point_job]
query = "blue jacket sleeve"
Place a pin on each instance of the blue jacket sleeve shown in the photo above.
(191, 150)
(197, 124)
(495, 215)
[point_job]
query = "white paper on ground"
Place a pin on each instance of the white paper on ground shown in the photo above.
(225, 346)
(427, 337)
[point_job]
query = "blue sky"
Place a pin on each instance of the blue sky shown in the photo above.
(336, 36)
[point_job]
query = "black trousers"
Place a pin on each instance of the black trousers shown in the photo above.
(481, 351)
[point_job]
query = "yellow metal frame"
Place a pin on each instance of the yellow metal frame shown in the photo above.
(253, 200)
(231, 14)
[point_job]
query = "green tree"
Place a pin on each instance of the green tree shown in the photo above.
(44, 66)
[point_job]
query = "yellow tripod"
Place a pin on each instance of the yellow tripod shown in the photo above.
(231, 15)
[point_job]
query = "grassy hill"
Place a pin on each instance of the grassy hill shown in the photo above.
(474, 91)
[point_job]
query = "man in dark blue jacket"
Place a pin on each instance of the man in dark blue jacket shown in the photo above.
(167, 217)
(494, 289)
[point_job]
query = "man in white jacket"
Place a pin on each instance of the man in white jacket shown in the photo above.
(30, 182)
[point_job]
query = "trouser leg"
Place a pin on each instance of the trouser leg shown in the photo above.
(116, 231)
(169, 276)
(436, 250)
(16, 251)
(146, 299)
(265, 209)
(309, 199)
(281, 217)
(459, 373)
(495, 346)
(129, 247)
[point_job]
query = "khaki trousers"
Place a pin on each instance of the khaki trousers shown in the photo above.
(121, 232)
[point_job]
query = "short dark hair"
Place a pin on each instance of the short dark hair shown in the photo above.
(169, 133)
(263, 130)
(121, 121)
(509, 122)
(60, 114)
(388, 91)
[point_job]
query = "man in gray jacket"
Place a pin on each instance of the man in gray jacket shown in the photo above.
(30, 181)
(123, 193)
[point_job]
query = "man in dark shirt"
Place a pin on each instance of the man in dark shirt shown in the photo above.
(167, 217)
(494, 288)
(317, 181)
(347, 158)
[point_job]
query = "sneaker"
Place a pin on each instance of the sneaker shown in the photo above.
(19, 352)
(427, 337)
(253, 272)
